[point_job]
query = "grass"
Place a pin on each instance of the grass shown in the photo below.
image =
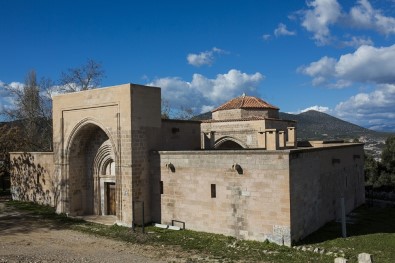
(373, 232)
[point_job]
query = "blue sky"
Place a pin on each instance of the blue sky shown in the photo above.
(333, 56)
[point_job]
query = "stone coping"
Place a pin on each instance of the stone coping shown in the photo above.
(262, 151)
(182, 121)
(32, 152)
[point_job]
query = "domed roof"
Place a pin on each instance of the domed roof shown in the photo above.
(245, 102)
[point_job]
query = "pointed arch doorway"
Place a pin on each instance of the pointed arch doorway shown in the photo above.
(91, 172)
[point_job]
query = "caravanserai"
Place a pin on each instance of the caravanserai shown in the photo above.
(243, 173)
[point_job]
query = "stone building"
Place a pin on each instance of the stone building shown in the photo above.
(241, 174)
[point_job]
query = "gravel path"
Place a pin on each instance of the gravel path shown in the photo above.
(26, 238)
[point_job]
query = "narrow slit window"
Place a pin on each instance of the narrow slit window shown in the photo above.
(161, 187)
(213, 191)
(346, 182)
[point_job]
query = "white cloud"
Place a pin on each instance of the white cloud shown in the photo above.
(205, 91)
(317, 108)
(266, 37)
(366, 64)
(375, 109)
(365, 16)
(16, 85)
(321, 15)
(282, 30)
(357, 42)
(6, 98)
(204, 58)
(320, 70)
(206, 108)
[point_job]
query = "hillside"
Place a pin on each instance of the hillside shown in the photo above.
(318, 125)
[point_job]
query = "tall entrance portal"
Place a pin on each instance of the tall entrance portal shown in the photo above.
(92, 173)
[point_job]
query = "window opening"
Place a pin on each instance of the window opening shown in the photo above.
(213, 191)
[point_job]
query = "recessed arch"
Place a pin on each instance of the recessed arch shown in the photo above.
(80, 126)
(230, 143)
(89, 149)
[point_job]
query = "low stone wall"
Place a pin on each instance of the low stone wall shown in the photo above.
(33, 178)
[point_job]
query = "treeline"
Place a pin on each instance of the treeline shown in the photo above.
(380, 175)
(28, 120)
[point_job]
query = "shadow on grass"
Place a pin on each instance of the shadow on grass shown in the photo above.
(364, 220)
(21, 218)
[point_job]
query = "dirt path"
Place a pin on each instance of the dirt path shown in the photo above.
(26, 238)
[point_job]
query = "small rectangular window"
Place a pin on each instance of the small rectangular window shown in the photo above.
(213, 191)
(161, 187)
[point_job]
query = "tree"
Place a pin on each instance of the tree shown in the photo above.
(32, 112)
(388, 155)
(165, 109)
(185, 113)
(381, 174)
(88, 76)
(372, 170)
(180, 113)
(11, 139)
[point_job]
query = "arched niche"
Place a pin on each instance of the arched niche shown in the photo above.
(229, 143)
(89, 155)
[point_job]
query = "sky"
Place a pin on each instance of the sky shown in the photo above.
(337, 57)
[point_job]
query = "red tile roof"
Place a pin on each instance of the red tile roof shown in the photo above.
(245, 102)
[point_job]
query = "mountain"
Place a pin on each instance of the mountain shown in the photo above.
(318, 125)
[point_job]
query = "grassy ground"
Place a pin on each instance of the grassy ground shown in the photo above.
(370, 230)
(373, 232)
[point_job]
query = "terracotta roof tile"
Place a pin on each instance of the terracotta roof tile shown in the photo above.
(245, 102)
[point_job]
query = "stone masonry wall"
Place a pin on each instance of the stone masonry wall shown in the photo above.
(268, 113)
(319, 178)
(244, 194)
(33, 178)
(146, 127)
(179, 135)
(110, 110)
(246, 132)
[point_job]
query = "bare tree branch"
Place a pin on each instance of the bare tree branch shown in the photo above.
(31, 113)
(88, 76)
